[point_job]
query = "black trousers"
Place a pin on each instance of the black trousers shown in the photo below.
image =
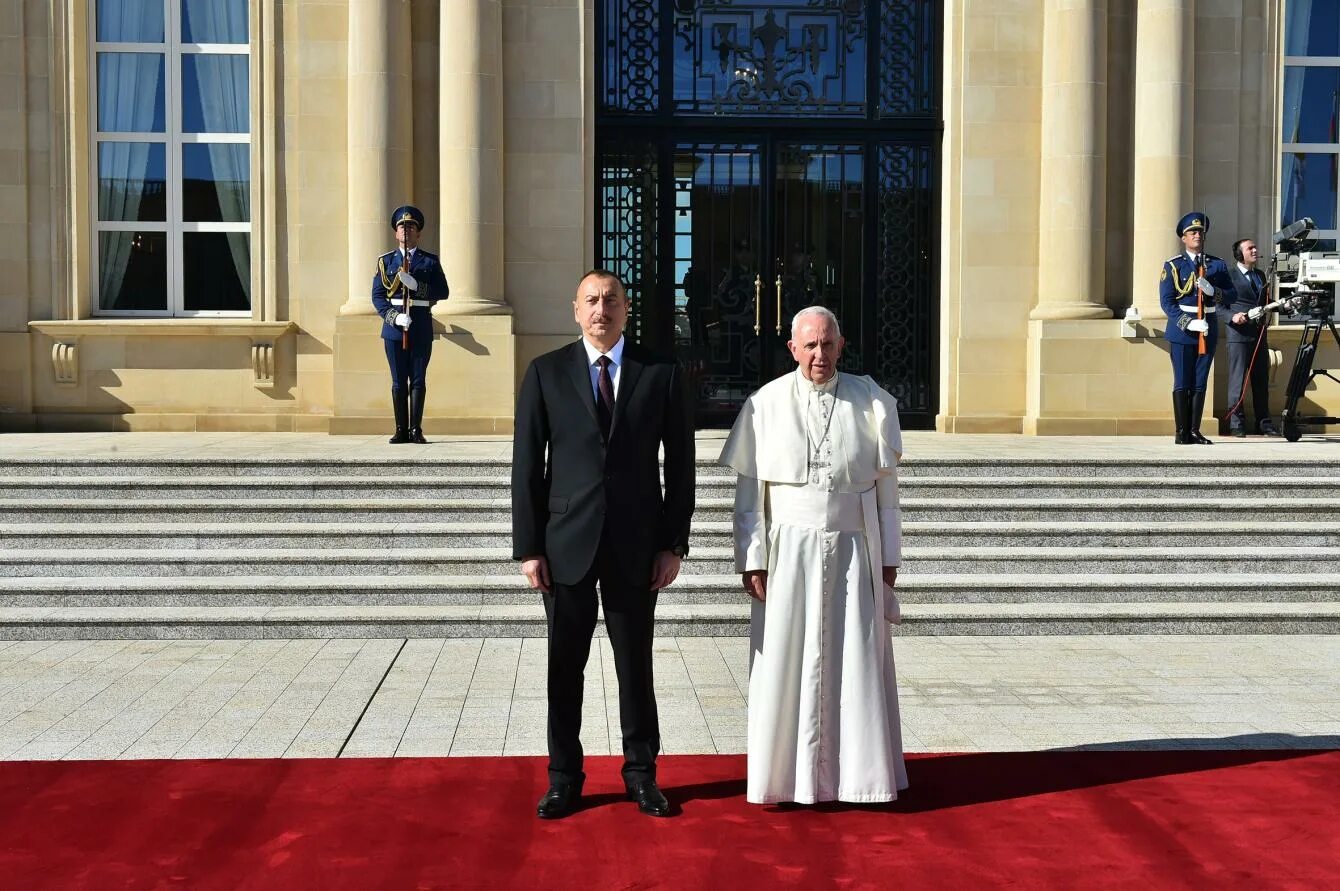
(629, 620)
(1239, 354)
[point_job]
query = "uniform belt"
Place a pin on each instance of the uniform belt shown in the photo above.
(1193, 308)
(416, 302)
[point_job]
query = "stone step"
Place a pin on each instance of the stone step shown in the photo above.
(250, 622)
(918, 561)
(1263, 530)
(394, 486)
(429, 463)
(372, 510)
(511, 590)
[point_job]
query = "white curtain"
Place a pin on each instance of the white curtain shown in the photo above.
(130, 93)
(222, 85)
(1292, 167)
(214, 21)
(130, 21)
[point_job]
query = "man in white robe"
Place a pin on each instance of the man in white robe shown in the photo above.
(818, 539)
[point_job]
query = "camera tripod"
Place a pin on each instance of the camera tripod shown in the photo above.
(1303, 374)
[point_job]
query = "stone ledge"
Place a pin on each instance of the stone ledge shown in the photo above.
(107, 327)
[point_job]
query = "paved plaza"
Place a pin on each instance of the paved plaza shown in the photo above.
(81, 699)
(425, 697)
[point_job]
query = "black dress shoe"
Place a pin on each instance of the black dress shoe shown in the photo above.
(401, 436)
(416, 436)
(649, 798)
(559, 801)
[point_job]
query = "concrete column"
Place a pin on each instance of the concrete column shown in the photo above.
(1164, 93)
(380, 137)
(470, 138)
(1072, 215)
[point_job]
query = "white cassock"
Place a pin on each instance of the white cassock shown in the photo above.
(816, 505)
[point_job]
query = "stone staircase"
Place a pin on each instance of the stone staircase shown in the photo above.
(299, 547)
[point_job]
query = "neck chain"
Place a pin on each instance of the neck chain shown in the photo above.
(815, 446)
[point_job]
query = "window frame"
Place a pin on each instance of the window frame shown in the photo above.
(174, 228)
(1308, 148)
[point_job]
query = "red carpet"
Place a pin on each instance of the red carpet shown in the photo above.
(1059, 819)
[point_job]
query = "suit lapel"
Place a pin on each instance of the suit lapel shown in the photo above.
(579, 371)
(628, 378)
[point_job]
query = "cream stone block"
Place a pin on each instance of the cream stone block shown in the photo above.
(531, 346)
(979, 424)
(16, 374)
(1001, 139)
(529, 99)
(320, 22)
(990, 394)
(1018, 24)
(553, 26)
(568, 98)
(322, 93)
(543, 243)
(473, 373)
(471, 380)
(554, 207)
(542, 293)
(550, 136)
(317, 61)
(1085, 378)
(318, 169)
(978, 178)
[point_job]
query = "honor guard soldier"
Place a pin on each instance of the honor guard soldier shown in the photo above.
(1190, 288)
(409, 280)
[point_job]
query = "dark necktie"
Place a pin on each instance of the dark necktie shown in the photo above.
(605, 402)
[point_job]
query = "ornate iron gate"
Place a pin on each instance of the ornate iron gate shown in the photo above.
(756, 157)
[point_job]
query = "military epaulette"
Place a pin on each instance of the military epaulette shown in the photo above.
(1173, 257)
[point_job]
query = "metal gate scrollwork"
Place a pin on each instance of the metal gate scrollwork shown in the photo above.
(903, 287)
(806, 57)
(628, 225)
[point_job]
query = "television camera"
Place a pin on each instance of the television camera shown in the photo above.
(1303, 284)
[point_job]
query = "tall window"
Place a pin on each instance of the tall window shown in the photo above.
(1310, 157)
(172, 157)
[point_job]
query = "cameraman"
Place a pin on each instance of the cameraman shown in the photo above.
(1247, 345)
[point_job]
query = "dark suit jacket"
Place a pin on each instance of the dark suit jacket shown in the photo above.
(570, 489)
(1244, 298)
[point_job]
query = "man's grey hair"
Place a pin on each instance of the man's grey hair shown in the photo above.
(822, 312)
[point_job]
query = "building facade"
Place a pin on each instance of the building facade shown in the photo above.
(197, 191)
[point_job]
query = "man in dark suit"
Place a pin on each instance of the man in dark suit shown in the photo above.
(1192, 286)
(588, 506)
(409, 280)
(1247, 346)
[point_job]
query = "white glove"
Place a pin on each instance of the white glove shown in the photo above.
(1206, 288)
(408, 280)
(1255, 313)
(402, 319)
(1199, 326)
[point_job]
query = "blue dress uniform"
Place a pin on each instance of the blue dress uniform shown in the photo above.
(1184, 302)
(409, 367)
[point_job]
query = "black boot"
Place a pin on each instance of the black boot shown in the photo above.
(1181, 408)
(400, 404)
(416, 417)
(1197, 408)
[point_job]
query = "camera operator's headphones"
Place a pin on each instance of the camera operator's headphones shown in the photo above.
(1237, 249)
